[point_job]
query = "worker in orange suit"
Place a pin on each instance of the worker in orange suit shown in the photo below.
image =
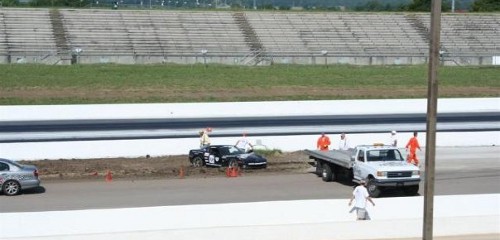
(323, 142)
(412, 151)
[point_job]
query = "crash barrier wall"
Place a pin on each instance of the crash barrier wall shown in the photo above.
(393, 218)
(242, 109)
(161, 147)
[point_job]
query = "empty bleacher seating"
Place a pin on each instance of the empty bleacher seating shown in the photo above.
(153, 33)
(27, 34)
(39, 33)
(469, 34)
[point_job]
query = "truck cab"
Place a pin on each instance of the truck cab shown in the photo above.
(384, 166)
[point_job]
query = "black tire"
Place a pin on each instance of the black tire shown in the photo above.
(319, 171)
(198, 162)
(411, 190)
(373, 189)
(233, 163)
(327, 173)
(11, 188)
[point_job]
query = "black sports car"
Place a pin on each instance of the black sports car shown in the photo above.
(225, 155)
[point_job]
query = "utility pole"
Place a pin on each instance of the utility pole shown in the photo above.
(432, 94)
(254, 4)
(452, 6)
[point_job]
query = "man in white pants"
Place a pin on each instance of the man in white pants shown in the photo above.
(360, 194)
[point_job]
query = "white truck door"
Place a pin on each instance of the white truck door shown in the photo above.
(358, 163)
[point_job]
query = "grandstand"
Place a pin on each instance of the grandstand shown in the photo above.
(151, 36)
(27, 36)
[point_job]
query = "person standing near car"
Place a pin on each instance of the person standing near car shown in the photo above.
(343, 143)
(361, 196)
(394, 140)
(244, 144)
(323, 142)
(204, 138)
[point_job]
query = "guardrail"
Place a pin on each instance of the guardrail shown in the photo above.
(100, 142)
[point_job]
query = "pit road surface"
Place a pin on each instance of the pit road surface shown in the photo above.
(473, 170)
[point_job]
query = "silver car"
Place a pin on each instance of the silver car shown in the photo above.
(15, 177)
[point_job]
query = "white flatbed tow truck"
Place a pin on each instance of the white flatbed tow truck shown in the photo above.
(381, 166)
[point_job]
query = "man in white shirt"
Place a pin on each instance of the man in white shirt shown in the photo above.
(244, 144)
(343, 143)
(360, 194)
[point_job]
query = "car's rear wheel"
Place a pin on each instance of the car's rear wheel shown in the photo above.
(197, 162)
(233, 163)
(11, 188)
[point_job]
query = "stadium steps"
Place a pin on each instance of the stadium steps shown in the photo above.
(252, 39)
(63, 50)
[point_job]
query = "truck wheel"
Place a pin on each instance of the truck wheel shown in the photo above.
(411, 190)
(373, 189)
(327, 173)
(319, 171)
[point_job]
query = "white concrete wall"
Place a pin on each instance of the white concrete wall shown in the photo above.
(304, 220)
(161, 147)
(241, 109)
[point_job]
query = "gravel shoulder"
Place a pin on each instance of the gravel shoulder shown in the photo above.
(166, 167)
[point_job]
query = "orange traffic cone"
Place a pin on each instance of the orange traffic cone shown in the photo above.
(181, 172)
(234, 172)
(109, 176)
(228, 172)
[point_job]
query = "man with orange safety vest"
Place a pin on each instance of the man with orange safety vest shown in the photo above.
(323, 142)
(413, 145)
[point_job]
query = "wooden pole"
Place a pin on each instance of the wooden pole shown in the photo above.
(432, 94)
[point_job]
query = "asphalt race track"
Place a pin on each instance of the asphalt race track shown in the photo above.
(472, 170)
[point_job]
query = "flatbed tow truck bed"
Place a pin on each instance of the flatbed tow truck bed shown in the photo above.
(338, 157)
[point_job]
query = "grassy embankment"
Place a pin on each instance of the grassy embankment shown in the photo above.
(82, 84)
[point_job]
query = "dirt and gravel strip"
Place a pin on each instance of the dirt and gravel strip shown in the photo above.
(168, 167)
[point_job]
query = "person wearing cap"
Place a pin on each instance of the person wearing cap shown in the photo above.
(244, 144)
(323, 142)
(394, 140)
(204, 138)
(361, 196)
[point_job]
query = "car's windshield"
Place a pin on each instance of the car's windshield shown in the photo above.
(384, 155)
(230, 150)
